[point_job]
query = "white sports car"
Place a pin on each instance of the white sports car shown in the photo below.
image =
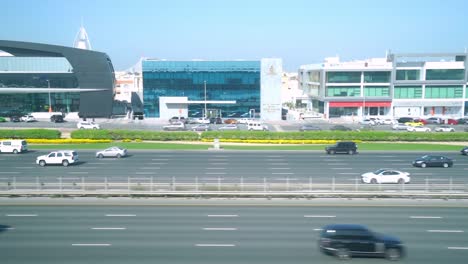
(444, 129)
(386, 176)
(418, 129)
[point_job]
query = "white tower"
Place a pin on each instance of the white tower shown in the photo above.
(82, 40)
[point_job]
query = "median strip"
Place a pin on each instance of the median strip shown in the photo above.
(458, 248)
(21, 215)
(91, 245)
(215, 245)
(223, 215)
(109, 228)
(445, 231)
(319, 216)
(220, 228)
(121, 215)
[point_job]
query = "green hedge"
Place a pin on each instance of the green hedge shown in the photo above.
(30, 133)
(135, 135)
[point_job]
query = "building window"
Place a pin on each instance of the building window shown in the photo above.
(445, 74)
(433, 91)
(314, 76)
(377, 77)
(408, 75)
(343, 91)
(407, 92)
(344, 77)
(377, 91)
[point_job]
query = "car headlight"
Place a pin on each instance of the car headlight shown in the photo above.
(419, 161)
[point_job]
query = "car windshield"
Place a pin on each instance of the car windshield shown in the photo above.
(425, 157)
(379, 171)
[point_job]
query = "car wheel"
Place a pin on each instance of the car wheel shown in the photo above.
(333, 152)
(392, 254)
(350, 152)
(354, 152)
(15, 151)
(445, 165)
(100, 156)
(42, 163)
(373, 181)
(342, 253)
(119, 156)
(423, 165)
(65, 163)
(401, 181)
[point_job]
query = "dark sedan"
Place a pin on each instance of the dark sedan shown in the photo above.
(433, 161)
(464, 151)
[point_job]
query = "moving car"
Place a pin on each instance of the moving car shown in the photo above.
(367, 122)
(15, 119)
(64, 157)
(28, 118)
(256, 126)
(433, 161)
(116, 152)
(201, 127)
(176, 126)
(56, 118)
(400, 126)
(87, 125)
(342, 147)
(418, 129)
(308, 127)
(434, 120)
(464, 151)
(444, 129)
(350, 240)
(228, 127)
(14, 146)
(386, 176)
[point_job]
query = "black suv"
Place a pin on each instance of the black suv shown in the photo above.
(347, 240)
(464, 151)
(342, 147)
(56, 118)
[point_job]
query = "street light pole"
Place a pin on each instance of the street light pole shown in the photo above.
(50, 101)
(204, 85)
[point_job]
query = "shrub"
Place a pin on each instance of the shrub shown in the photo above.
(30, 133)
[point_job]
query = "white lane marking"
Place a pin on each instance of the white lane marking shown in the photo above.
(7, 228)
(425, 217)
(217, 160)
(121, 215)
(160, 159)
(423, 173)
(282, 173)
(465, 168)
(279, 164)
(218, 163)
(221, 156)
(217, 168)
(220, 228)
(91, 245)
(78, 172)
(349, 173)
(462, 248)
(276, 160)
(9, 172)
(280, 168)
(274, 156)
(445, 231)
(215, 245)
(341, 168)
(402, 164)
(223, 215)
(320, 216)
(318, 229)
(144, 172)
(212, 179)
(333, 164)
(396, 160)
(156, 163)
(22, 215)
(215, 173)
(97, 163)
(386, 156)
(24, 167)
(286, 179)
(109, 228)
(149, 168)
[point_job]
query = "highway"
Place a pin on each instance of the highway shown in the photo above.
(206, 231)
(231, 166)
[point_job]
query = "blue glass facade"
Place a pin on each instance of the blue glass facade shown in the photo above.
(237, 81)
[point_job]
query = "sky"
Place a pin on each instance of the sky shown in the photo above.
(297, 31)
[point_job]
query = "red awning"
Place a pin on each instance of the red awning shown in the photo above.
(360, 104)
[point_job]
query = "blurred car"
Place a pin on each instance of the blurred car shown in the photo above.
(115, 152)
(15, 119)
(56, 118)
(178, 119)
(414, 124)
(386, 176)
(28, 118)
(244, 120)
(418, 129)
(367, 122)
(349, 240)
(420, 120)
(202, 120)
(308, 127)
(340, 128)
(463, 120)
(63, 157)
(257, 126)
(400, 126)
(2, 119)
(201, 127)
(464, 151)
(403, 120)
(388, 121)
(444, 129)
(348, 147)
(216, 120)
(451, 121)
(434, 120)
(177, 126)
(433, 161)
(230, 121)
(229, 127)
(87, 125)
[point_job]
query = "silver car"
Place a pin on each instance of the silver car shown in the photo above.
(115, 152)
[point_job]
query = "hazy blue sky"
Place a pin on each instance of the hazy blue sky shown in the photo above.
(298, 31)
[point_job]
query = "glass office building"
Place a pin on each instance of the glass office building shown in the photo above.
(209, 88)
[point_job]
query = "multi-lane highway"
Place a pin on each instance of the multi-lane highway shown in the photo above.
(203, 231)
(231, 166)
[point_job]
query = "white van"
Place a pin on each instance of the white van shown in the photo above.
(255, 125)
(13, 146)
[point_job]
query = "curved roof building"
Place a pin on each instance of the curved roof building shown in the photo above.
(38, 77)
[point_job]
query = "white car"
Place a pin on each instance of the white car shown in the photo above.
(418, 129)
(244, 120)
(202, 120)
(251, 126)
(87, 125)
(177, 126)
(64, 157)
(367, 122)
(388, 121)
(28, 118)
(444, 129)
(229, 127)
(386, 176)
(116, 152)
(400, 126)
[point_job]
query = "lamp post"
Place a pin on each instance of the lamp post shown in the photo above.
(50, 101)
(204, 85)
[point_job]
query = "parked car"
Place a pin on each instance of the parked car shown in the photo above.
(28, 118)
(178, 119)
(244, 120)
(216, 120)
(418, 129)
(176, 126)
(340, 128)
(342, 147)
(56, 118)
(87, 125)
(433, 161)
(388, 121)
(350, 240)
(2, 119)
(414, 124)
(308, 127)
(451, 121)
(386, 176)
(201, 127)
(400, 126)
(463, 120)
(367, 122)
(202, 120)
(403, 120)
(256, 126)
(464, 151)
(116, 152)
(63, 157)
(14, 146)
(229, 127)
(434, 120)
(444, 129)
(420, 120)
(15, 119)
(230, 121)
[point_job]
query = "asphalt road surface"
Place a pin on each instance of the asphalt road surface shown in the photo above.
(217, 233)
(230, 167)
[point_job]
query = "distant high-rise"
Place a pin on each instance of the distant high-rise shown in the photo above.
(82, 40)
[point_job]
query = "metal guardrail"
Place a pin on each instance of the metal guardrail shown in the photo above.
(149, 186)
